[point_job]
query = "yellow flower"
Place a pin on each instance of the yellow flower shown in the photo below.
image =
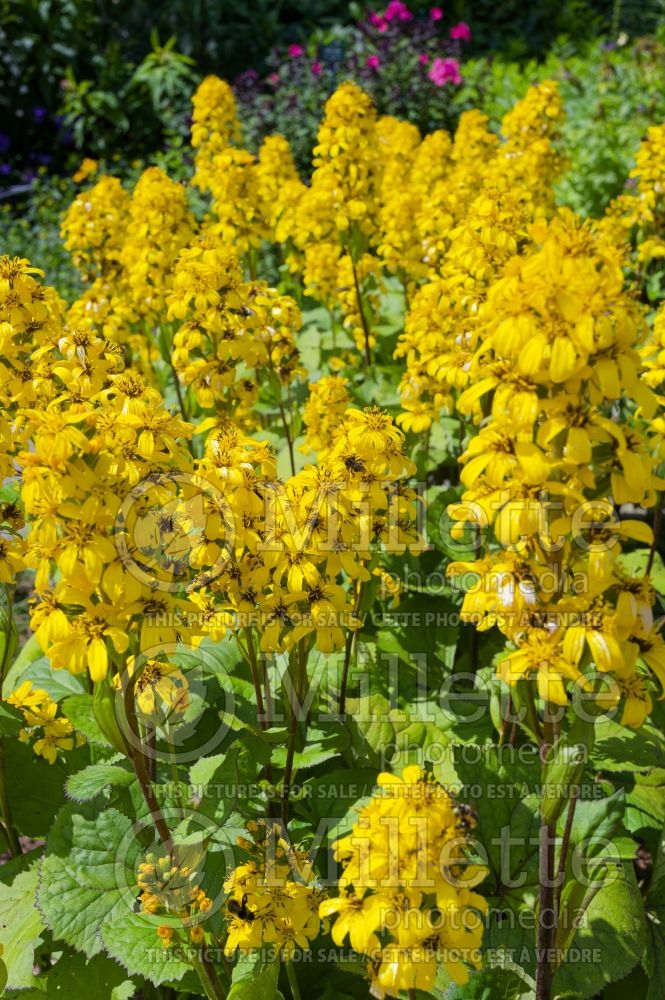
(26, 696)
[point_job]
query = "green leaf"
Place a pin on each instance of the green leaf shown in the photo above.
(36, 789)
(489, 984)
(90, 782)
(78, 709)
(132, 940)
(636, 563)
(645, 801)
(331, 797)
(611, 939)
(225, 781)
(254, 979)
(30, 651)
(87, 875)
(125, 991)
(618, 748)
(58, 684)
(21, 928)
(73, 975)
(11, 720)
(653, 959)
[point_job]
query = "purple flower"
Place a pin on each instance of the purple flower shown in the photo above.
(295, 51)
(316, 68)
(5, 169)
(5, 143)
(436, 13)
(373, 62)
(40, 114)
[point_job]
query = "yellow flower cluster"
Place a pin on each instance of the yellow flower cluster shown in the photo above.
(214, 125)
(464, 230)
(555, 354)
(113, 567)
(159, 225)
(293, 545)
(231, 329)
(168, 888)
(407, 898)
(636, 219)
(93, 228)
(90, 430)
(50, 733)
(272, 898)
(324, 410)
(29, 315)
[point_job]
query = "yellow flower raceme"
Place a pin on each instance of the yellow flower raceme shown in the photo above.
(406, 873)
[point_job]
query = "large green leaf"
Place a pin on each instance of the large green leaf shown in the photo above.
(92, 780)
(36, 789)
(254, 980)
(87, 875)
(223, 782)
(618, 748)
(96, 979)
(501, 784)
(611, 939)
(78, 709)
(132, 940)
(21, 928)
(58, 684)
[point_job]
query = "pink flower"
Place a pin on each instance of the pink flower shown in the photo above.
(436, 13)
(379, 22)
(295, 51)
(423, 58)
(274, 79)
(399, 10)
(462, 31)
(373, 62)
(444, 71)
(316, 68)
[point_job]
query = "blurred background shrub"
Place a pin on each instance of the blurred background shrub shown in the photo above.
(112, 80)
(102, 75)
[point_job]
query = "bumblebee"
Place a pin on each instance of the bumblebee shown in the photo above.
(239, 909)
(466, 817)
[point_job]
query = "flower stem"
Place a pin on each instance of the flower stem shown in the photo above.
(10, 830)
(293, 982)
(13, 841)
(208, 976)
(299, 680)
(8, 637)
(565, 843)
(140, 766)
(546, 929)
(363, 318)
(287, 435)
(348, 649)
(657, 517)
(256, 678)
